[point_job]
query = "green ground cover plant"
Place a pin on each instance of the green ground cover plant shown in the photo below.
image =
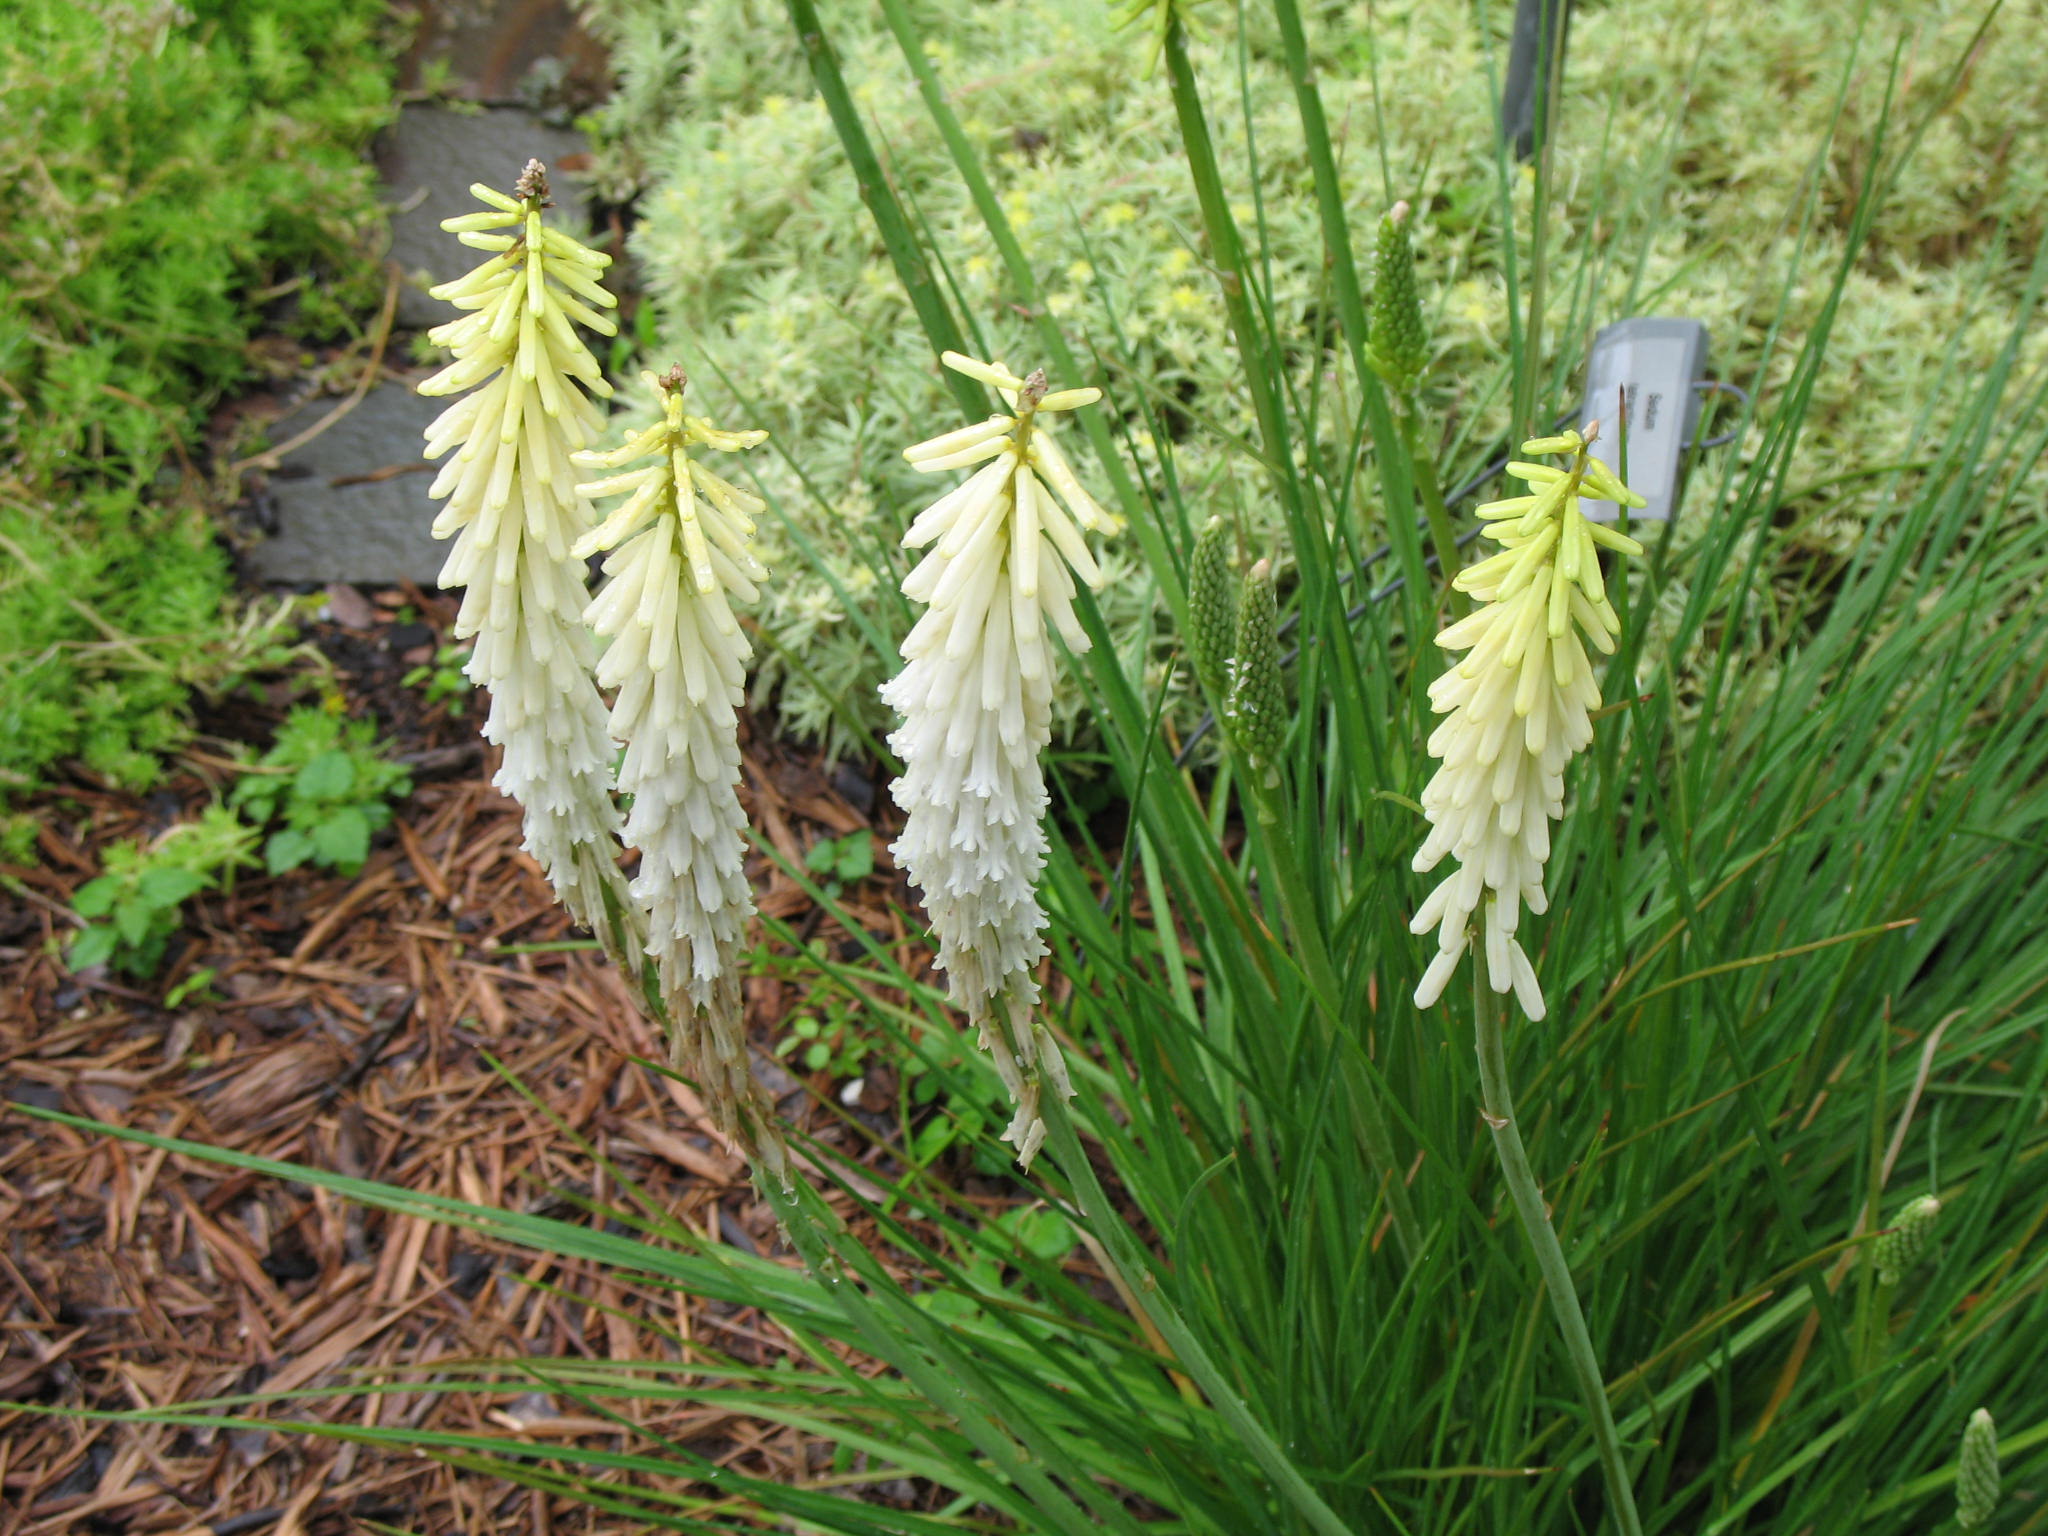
(136, 906)
(329, 783)
(177, 179)
(325, 779)
(1277, 1271)
(1669, 196)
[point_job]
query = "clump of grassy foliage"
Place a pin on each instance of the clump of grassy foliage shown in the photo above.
(1798, 923)
(1672, 188)
(168, 171)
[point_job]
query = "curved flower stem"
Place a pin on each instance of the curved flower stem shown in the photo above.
(1498, 1105)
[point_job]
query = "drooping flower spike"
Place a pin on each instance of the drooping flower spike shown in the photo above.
(1519, 707)
(1004, 550)
(514, 513)
(679, 557)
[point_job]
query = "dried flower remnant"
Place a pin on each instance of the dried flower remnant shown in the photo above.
(975, 694)
(1518, 707)
(514, 514)
(680, 555)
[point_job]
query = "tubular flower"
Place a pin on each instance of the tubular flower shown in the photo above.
(975, 695)
(679, 555)
(1518, 707)
(513, 512)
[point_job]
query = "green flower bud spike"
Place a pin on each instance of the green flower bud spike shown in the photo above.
(1212, 609)
(1399, 348)
(1977, 1472)
(1256, 709)
(1896, 1251)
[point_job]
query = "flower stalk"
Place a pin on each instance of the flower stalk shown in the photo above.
(1497, 1105)
(1518, 708)
(513, 512)
(679, 557)
(1254, 718)
(1398, 351)
(1004, 550)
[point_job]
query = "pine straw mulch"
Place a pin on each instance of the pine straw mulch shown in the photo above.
(346, 1027)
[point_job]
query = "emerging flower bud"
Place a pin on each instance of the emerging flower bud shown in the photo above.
(975, 694)
(1977, 1472)
(1896, 1251)
(1518, 707)
(1256, 713)
(1399, 349)
(1212, 609)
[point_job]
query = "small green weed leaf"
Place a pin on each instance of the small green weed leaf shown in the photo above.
(328, 776)
(198, 981)
(856, 857)
(1041, 1231)
(168, 887)
(95, 898)
(133, 920)
(95, 946)
(948, 1306)
(343, 840)
(287, 850)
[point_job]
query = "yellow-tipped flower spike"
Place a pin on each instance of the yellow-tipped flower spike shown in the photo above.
(514, 514)
(1003, 551)
(1519, 707)
(680, 554)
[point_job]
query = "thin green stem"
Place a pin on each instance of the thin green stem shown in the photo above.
(1442, 533)
(1498, 1105)
(1548, 108)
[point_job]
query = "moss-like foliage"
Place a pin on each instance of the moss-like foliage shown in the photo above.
(1687, 140)
(166, 170)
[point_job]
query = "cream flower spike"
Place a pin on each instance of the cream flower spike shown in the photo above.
(975, 694)
(1519, 707)
(514, 513)
(677, 656)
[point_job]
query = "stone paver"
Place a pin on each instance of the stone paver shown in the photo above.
(428, 161)
(352, 504)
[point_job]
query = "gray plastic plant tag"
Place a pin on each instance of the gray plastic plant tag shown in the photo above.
(1651, 365)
